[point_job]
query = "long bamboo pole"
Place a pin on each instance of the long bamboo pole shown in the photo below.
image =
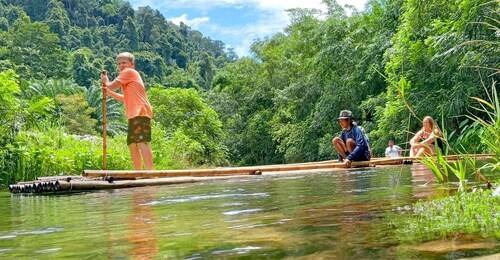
(104, 144)
(130, 174)
(124, 174)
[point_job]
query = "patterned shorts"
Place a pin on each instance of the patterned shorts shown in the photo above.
(139, 130)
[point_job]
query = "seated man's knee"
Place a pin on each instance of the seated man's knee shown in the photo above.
(336, 140)
(351, 144)
(350, 141)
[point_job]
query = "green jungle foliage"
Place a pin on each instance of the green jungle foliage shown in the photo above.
(391, 64)
(77, 39)
(193, 129)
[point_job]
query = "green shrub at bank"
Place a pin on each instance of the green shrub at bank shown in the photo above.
(465, 213)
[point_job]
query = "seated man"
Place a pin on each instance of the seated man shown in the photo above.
(393, 150)
(351, 145)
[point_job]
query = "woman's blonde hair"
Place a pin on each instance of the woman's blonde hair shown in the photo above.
(127, 55)
(431, 121)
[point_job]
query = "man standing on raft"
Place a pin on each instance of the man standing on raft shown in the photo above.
(351, 145)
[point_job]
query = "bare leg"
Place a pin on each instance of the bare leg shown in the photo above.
(147, 154)
(413, 150)
(351, 145)
(136, 156)
(339, 145)
(425, 151)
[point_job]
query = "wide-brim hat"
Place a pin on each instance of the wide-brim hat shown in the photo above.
(345, 114)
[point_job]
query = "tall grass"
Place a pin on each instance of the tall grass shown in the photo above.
(491, 125)
(486, 116)
(50, 152)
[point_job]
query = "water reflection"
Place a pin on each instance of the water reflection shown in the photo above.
(423, 180)
(141, 223)
(425, 184)
(128, 223)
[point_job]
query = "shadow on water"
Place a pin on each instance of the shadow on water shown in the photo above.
(310, 215)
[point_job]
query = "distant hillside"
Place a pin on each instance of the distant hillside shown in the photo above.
(78, 38)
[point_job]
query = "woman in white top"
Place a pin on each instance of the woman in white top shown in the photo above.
(423, 141)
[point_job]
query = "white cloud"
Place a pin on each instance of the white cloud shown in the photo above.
(260, 4)
(287, 4)
(249, 33)
(272, 19)
(193, 23)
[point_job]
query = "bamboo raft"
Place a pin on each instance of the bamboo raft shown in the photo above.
(114, 179)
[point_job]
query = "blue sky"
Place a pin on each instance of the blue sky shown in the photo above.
(237, 23)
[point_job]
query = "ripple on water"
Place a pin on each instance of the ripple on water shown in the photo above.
(233, 204)
(289, 177)
(2, 250)
(167, 217)
(237, 250)
(238, 212)
(178, 234)
(204, 197)
(366, 190)
(248, 226)
(14, 234)
(49, 250)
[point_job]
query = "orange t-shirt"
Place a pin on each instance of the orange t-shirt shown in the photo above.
(134, 94)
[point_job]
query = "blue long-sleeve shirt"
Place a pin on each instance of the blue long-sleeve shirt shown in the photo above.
(361, 144)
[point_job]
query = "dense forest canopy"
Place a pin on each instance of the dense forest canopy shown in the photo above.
(77, 39)
(391, 64)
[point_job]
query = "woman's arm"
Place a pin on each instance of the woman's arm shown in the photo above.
(429, 139)
(416, 138)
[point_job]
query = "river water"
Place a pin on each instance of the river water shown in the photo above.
(308, 215)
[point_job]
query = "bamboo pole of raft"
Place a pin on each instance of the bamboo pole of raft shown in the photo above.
(100, 185)
(104, 145)
(123, 174)
(249, 170)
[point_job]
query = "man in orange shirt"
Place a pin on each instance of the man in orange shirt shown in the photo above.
(137, 108)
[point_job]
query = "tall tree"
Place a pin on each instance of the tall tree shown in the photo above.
(35, 51)
(82, 68)
(130, 29)
(9, 105)
(57, 18)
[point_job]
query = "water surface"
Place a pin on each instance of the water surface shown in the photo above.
(310, 215)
